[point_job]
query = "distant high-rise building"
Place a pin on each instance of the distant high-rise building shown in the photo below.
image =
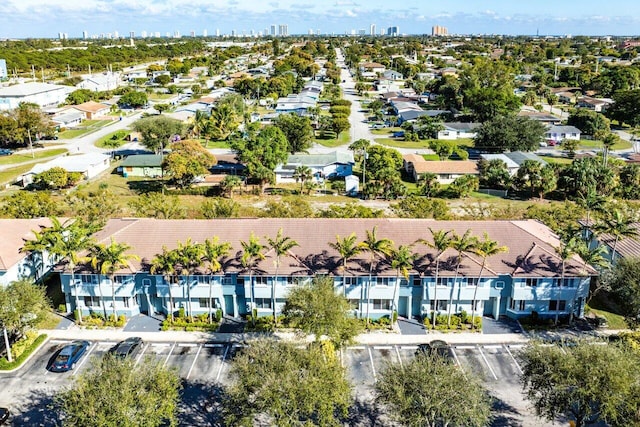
(393, 31)
(85, 35)
(63, 36)
(143, 34)
(3, 69)
(318, 31)
(132, 34)
(273, 30)
(217, 32)
(192, 33)
(176, 34)
(116, 35)
(372, 30)
(204, 33)
(438, 30)
(233, 33)
(362, 32)
(283, 30)
(157, 34)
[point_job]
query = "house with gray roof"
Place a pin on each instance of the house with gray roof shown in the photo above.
(519, 157)
(557, 133)
(458, 130)
(42, 94)
(324, 165)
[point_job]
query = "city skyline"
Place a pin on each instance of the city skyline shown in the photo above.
(37, 18)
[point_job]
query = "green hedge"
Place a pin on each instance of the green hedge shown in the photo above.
(20, 358)
(196, 323)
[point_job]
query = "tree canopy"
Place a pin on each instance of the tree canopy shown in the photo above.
(187, 160)
(298, 131)
(509, 133)
(157, 131)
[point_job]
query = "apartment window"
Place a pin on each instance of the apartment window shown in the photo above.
(471, 282)
(355, 303)
(417, 281)
(404, 282)
(443, 281)
(383, 281)
(499, 284)
(531, 282)
(204, 302)
(442, 305)
(557, 305)
(92, 301)
(382, 304)
(89, 278)
(261, 281)
(350, 280)
(263, 303)
(518, 304)
(568, 283)
(125, 302)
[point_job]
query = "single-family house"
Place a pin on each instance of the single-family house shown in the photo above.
(100, 82)
(16, 264)
(147, 165)
(41, 94)
(68, 118)
(446, 171)
(392, 75)
(372, 67)
(512, 166)
(519, 157)
(92, 109)
(558, 133)
(413, 115)
(335, 164)
(89, 165)
(596, 104)
(544, 118)
(297, 104)
(455, 130)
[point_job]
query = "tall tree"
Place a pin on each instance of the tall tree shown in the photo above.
(157, 131)
(189, 256)
(121, 393)
(213, 252)
(565, 251)
(462, 244)
(252, 253)
(618, 224)
(303, 174)
(297, 130)
(402, 260)
(166, 264)
(484, 248)
(624, 283)
(347, 247)
(281, 384)
(558, 382)
(375, 248)
(440, 241)
(317, 309)
(428, 391)
(509, 133)
(187, 160)
(281, 246)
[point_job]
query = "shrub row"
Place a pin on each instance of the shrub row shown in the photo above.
(97, 320)
(22, 349)
(459, 321)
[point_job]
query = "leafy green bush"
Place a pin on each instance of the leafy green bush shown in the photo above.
(197, 323)
(22, 349)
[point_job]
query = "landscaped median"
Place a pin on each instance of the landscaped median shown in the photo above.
(22, 351)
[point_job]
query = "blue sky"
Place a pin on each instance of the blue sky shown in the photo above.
(46, 18)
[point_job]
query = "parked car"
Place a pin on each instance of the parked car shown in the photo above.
(5, 152)
(69, 356)
(378, 126)
(437, 347)
(128, 348)
(4, 415)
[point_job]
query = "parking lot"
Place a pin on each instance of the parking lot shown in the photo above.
(29, 390)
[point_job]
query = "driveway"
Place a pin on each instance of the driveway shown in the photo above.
(411, 327)
(143, 323)
(503, 325)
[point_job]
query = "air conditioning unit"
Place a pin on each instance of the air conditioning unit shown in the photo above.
(250, 306)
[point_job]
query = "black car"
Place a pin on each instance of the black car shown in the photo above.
(4, 415)
(128, 348)
(5, 152)
(437, 347)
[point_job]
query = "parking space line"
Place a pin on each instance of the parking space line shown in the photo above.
(455, 356)
(373, 368)
(214, 345)
(86, 356)
(57, 341)
(399, 358)
(514, 359)
(224, 357)
(487, 362)
(382, 347)
(516, 346)
(187, 344)
(144, 348)
(465, 346)
(169, 355)
(409, 347)
(161, 344)
(357, 347)
(194, 362)
(108, 342)
(493, 346)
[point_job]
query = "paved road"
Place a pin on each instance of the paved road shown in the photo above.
(204, 369)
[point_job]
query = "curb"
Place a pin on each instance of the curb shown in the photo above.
(35, 350)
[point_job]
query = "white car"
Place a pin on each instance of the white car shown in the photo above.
(543, 144)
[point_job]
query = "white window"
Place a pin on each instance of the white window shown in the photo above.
(442, 305)
(530, 282)
(443, 281)
(471, 282)
(204, 302)
(261, 280)
(557, 305)
(382, 304)
(350, 280)
(92, 301)
(263, 303)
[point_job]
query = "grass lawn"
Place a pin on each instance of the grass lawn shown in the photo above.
(401, 143)
(50, 321)
(589, 143)
(25, 156)
(10, 175)
(87, 126)
(559, 160)
(218, 144)
(343, 139)
(113, 139)
(160, 96)
(614, 321)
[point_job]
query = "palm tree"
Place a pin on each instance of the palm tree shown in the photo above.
(440, 241)
(564, 251)
(591, 201)
(36, 248)
(190, 258)
(462, 244)
(200, 124)
(618, 224)
(67, 243)
(95, 260)
(402, 261)
(484, 248)
(112, 258)
(230, 183)
(281, 245)
(212, 253)
(303, 174)
(165, 263)
(375, 247)
(594, 257)
(252, 252)
(607, 144)
(347, 248)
